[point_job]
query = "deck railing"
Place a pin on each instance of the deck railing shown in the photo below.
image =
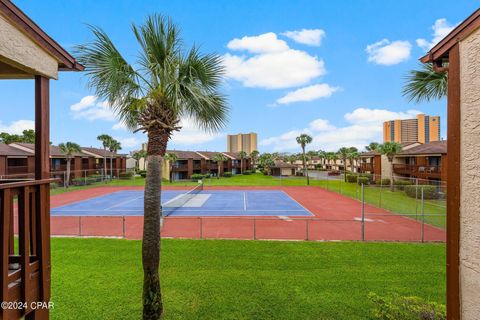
(25, 278)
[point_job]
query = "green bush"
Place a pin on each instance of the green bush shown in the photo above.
(207, 175)
(126, 175)
(143, 174)
(406, 308)
(363, 180)
(141, 171)
(265, 172)
(429, 192)
(400, 184)
(82, 181)
(254, 170)
(54, 185)
(197, 176)
(247, 172)
(227, 174)
(384, 182)
(351, 178)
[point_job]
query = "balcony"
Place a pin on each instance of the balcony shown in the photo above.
(366, 167)
(17, 170)
(180, 167)
(26, 275)
(418, 171)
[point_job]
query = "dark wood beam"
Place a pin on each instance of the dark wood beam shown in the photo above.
(42, 128)
(453, 186)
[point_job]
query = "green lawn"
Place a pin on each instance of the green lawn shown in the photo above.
(395, 201)
(219, 279)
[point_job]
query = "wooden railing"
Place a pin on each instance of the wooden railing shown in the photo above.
(366, 167)
(11, 170)
(417, 170)
(25, 275)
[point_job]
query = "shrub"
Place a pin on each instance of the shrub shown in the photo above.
(385, 182)
(254, 170)
(143, 174)
(362, 180)
(54, 185)
(351, 178)
(400, 184)
(207, 175)
(80, 181)
(247, 172)
(406, 308)
(126, 175)
(141, 171)
(227, 174)
(265, 172)
(197, 176)
(429, 192)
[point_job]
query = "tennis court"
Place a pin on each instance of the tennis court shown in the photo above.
(197, 202)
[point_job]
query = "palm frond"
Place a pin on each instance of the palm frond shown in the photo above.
(425, 84)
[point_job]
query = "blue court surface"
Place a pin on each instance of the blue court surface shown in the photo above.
(204, 203)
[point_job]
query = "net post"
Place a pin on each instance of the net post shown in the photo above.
(423, 217)
(363, 213)
(306, 229)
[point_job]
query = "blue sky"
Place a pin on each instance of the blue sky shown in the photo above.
(347, 58)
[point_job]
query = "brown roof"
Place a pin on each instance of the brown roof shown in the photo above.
(435, 147)
(6, 150)
(210, 154)
(66, 62)
(463, 30)
(54, 150)
(369, 154)
(186, 154)
(282, 164)
(101, 152)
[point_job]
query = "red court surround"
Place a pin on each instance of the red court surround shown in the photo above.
(336, 218)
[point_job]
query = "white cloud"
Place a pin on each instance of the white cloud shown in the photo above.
(440, 28)
(129, 142)
(388, 53)
(119, 126)
(309, 93)
(311, 37)
(190, 134)
(17, 127)
(364, 126)
(271, 63)
(264, 43)
(91, 109)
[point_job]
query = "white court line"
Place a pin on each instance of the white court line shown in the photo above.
(181, 209)
(122, 203)
(284, 218)
(244, 201)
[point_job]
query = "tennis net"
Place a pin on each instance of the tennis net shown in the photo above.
(180, 200)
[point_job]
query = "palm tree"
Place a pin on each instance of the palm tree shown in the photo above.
(113, 147)
(425, 84)
(69, 148)
(334, 158)
(105, 139)
(219, 158)
(242, 155)
(352, 156)
(165, 84)
(322, 155)
(265, 160)
(372, 146)
(343, 155)
(254, 156)
(171, 158)
(137, 156)
(303, 140)
(389, 149)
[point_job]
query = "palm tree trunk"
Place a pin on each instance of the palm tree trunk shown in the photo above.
(345, 169)
(104, 163)
(305, 166)
(152, 297)
(67, 178)
(111, 167)
(391, 176)
(241, 165)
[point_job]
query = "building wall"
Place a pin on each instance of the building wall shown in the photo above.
(469, 169)
(18, 49)
(3, 165)
(242, 142)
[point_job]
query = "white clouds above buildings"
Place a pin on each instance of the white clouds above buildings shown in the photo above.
(17, 127)
(440, 28)
(310, 37)
(387, 53)
(90, 108)
(309, 93)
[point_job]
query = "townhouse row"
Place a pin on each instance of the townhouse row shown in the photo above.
(201, 162)
(17, 160)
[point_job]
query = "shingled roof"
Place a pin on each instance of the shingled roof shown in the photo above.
(54, 150)
(435, 147)
(6, 150)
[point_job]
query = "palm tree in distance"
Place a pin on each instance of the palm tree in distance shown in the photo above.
(219, 158)
(242, 155)
(113, 147)
(352, 156)
(372, 146)
(137, 156)
(68, 149)
(425, 84)
(105, 140)
(254, 156)
(303, 140)
(171, 158)
(389, 149)
(343, 155)
(166, 84)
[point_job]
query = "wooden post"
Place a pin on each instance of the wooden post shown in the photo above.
(453, 186)
(42, 128)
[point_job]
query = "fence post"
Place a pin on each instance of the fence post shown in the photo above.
(363, 213)
(254, 229)
(423, 218)
(306, 229)
(64, 179)
(201, 227)
(85, 176)
(416, 198)
(381, 190)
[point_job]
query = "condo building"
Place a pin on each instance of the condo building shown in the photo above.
(242, 142)
(423, 129)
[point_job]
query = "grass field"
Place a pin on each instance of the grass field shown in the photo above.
(219, 279)
(396, 201)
